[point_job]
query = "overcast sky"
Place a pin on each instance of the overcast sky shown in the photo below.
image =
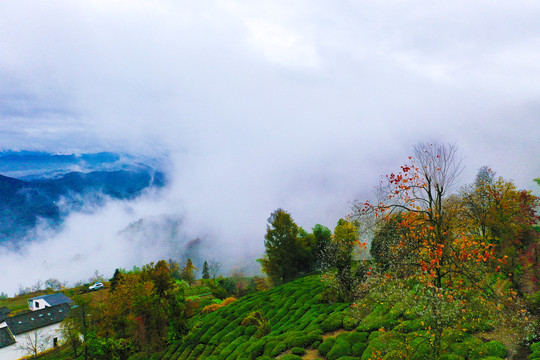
(260, 105)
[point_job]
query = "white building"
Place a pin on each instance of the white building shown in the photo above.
(38, 328)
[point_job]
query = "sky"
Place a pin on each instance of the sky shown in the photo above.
(260, 105)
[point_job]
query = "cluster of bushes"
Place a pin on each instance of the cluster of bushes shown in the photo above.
(293, 314)
(297, 320)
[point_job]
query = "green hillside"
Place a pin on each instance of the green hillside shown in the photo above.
(300, 322)
(295, 317)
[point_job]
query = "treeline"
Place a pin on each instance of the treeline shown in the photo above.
(469, 259)
(147, 308)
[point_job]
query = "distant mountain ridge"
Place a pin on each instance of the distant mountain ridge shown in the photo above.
(31, 165)
(49, 191)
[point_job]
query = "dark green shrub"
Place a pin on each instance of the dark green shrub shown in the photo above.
(315, 345)
(257, 349)
(536, 346)
(492, 358)
(492, 348)
(451, 357)
(375, 321)
(382, 344)
(207, 351)
(270, 344)
(395, 355)
(332, 323)
(263, 329)
(326, 346)
(265, 357)
(358, 349)
(356, 337)
(350, 323)
(279, 348)
(290, 357)
(340, 348)
(298, 351)
(347, 357)
(304, 341)
(452, 335)
(466, 347)
(250, 330)
(496, 348)
(408, 326)
(374, 335)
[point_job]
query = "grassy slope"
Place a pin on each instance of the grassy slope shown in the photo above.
(298, 320)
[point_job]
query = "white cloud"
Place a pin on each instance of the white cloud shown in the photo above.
(300, 105)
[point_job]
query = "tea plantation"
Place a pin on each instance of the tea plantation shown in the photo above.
(291, 320)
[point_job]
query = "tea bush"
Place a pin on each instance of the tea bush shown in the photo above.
(326, 346)
(340, 348)
(298, 351)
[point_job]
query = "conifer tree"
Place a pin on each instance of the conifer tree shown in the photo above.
(205, 271)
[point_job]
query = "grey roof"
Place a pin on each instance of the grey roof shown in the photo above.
(6, 338)
(4, 310)
(32, 320)
(54, 299)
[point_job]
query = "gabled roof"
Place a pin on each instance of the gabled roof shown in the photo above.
(6, 338)
(53, 299)
(33, 320)
(4, 311)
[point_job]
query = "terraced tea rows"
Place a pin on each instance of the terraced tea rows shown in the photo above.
(291, 319)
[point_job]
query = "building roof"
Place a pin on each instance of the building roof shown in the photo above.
(53, 299)
(33, 320)
(6, 337)
(4, 310)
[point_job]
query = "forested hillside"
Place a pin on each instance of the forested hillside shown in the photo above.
(428, 271)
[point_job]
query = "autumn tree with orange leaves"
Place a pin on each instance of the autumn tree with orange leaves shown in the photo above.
(493, 210)
(440, 268)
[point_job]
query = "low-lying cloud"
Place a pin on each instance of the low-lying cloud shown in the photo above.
(300, 106)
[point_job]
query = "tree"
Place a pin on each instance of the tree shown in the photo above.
(448, 267)
(76, 328)
(338, 258)
(117, 276)
(160, 276)
(281, 257)
(188, 272)
(142, 314)
(322, 236)
(53, 284)
(214, 269)
(418, 193)
(493, 210)
(35, 342)
(175, 268)
(205, 271)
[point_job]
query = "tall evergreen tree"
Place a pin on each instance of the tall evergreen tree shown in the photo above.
(205, 271)
(115, 279)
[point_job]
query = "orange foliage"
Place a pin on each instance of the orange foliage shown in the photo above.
(229, 300)
(211, 308)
